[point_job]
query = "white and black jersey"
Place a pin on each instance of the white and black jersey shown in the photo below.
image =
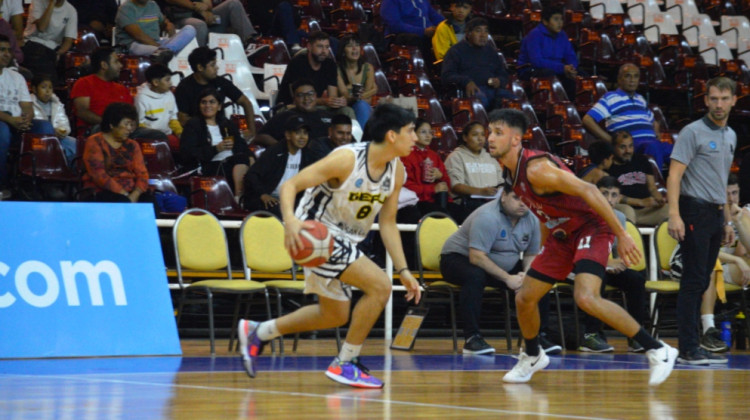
(350, 209)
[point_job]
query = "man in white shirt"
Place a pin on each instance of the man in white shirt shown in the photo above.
(16, 110)
(50, 31)
(12, 11)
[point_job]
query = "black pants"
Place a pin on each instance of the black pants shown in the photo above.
(704, 230)
(457, 269)
(633, 284)
(106, 196)
(40, 60)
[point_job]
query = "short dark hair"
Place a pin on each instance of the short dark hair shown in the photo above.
(157, 71)
(548, 12)
(722, 83)
(420, 122)
(301, 82)
(620, 134)
(465, 130)
(507, 188)
(609, 182)
(100, 55)
(462, 2)
(733, 179)
(317, 36)
(340, 119)
(201, 56)
(4, 38)
(599, 151)
(114, 113)
(39, 78)
(385, 118)
(474, 23)
(511, 117)
(210, 91)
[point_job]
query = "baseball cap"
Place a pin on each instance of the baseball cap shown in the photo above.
(295, 122)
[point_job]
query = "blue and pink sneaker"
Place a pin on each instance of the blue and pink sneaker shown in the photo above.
(353, 374)
(250, 345)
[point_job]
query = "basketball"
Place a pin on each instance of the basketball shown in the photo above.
(317, 245)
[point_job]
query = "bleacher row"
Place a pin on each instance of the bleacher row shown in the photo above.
(668, 46)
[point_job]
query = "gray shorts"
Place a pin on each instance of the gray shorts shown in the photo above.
(324, 280)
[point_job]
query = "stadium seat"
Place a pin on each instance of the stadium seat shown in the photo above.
(213, 193)
(734, 28)
(658, 24)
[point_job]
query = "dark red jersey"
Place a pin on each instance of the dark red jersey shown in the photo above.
(561, 213)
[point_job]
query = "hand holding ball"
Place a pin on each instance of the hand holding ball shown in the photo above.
(317, 245)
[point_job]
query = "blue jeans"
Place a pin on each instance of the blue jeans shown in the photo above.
(174, 44)
(491, 98)
(68, 143)
(7, 136)
(362, 110)
(659, 150)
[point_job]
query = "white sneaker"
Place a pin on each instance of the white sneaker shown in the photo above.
(5, 194)
(660, 363)
(526, 367)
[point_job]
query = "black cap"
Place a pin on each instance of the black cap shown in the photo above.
(295, 122)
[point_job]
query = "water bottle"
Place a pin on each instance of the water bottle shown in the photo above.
(427, 166)
(726, 333)
(739, 332)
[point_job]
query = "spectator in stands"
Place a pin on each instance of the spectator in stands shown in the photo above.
(202, 61)
(427, 176)
(139, 27)
(16, 111)
(16, 51)
(475, 176)
(318, 67)
(212, 143)
(51, 30)
(339, 134)
(96, 15)
(316, 119)
(452, 30)
(356, 78)
(93, 93)
(413, 22)
(473, 65)
(546, 51)
(50, 113)
(115, 168)
(625, 109)
(601, 154)
(620, 276)
(12, 11)
(228, 16)
(156, 105)
(276, 165)
(486, 251)
(642, 202)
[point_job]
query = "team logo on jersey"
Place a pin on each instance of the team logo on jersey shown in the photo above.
(712, 145)
(367, 197)
(358, 183)
(387, 183)
(503, 233)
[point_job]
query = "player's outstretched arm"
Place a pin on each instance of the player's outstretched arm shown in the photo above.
(545, 177)
(392, 238)
(335, 168)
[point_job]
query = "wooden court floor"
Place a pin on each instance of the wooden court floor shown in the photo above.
(428, 382)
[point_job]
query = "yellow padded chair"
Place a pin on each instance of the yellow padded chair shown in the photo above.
(432, 231)
(200, 244)
(262, 242)
(664, 245)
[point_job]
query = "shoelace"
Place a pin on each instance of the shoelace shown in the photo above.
(361, 367)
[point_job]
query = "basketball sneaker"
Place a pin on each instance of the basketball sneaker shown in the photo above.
(250, 345)
(660, 363)
(595, 343)
(526, 367)
(476, 345)
(352, 373)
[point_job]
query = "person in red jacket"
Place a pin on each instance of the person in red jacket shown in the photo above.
(426, 174)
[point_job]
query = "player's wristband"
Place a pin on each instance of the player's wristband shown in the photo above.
(402, 270)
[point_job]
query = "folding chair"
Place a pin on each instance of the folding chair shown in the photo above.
(665, 285)
(200, 244)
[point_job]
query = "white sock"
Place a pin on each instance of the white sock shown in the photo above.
(268, 330)
(707, 321)
(349, 352)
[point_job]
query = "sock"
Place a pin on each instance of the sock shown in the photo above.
(349, 352)
(532, 346)
(707, 321)
(268, 330)
(646, 340)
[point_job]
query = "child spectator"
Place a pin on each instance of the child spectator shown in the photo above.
(156, 105)
(450, 31)
(602, 155)
(49, 109)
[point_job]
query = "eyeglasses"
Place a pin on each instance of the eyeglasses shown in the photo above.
(310, 94)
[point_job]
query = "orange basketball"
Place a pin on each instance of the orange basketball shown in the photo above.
(317, 245)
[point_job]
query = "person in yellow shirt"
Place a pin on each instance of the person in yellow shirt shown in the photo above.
(451, 30)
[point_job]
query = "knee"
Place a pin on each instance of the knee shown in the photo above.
(523, 301)
(586, 300)
(381, 290)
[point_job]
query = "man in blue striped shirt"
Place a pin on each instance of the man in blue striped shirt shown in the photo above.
(625, 109)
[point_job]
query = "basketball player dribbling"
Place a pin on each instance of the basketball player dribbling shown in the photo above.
(345, 191)
(578, 228)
